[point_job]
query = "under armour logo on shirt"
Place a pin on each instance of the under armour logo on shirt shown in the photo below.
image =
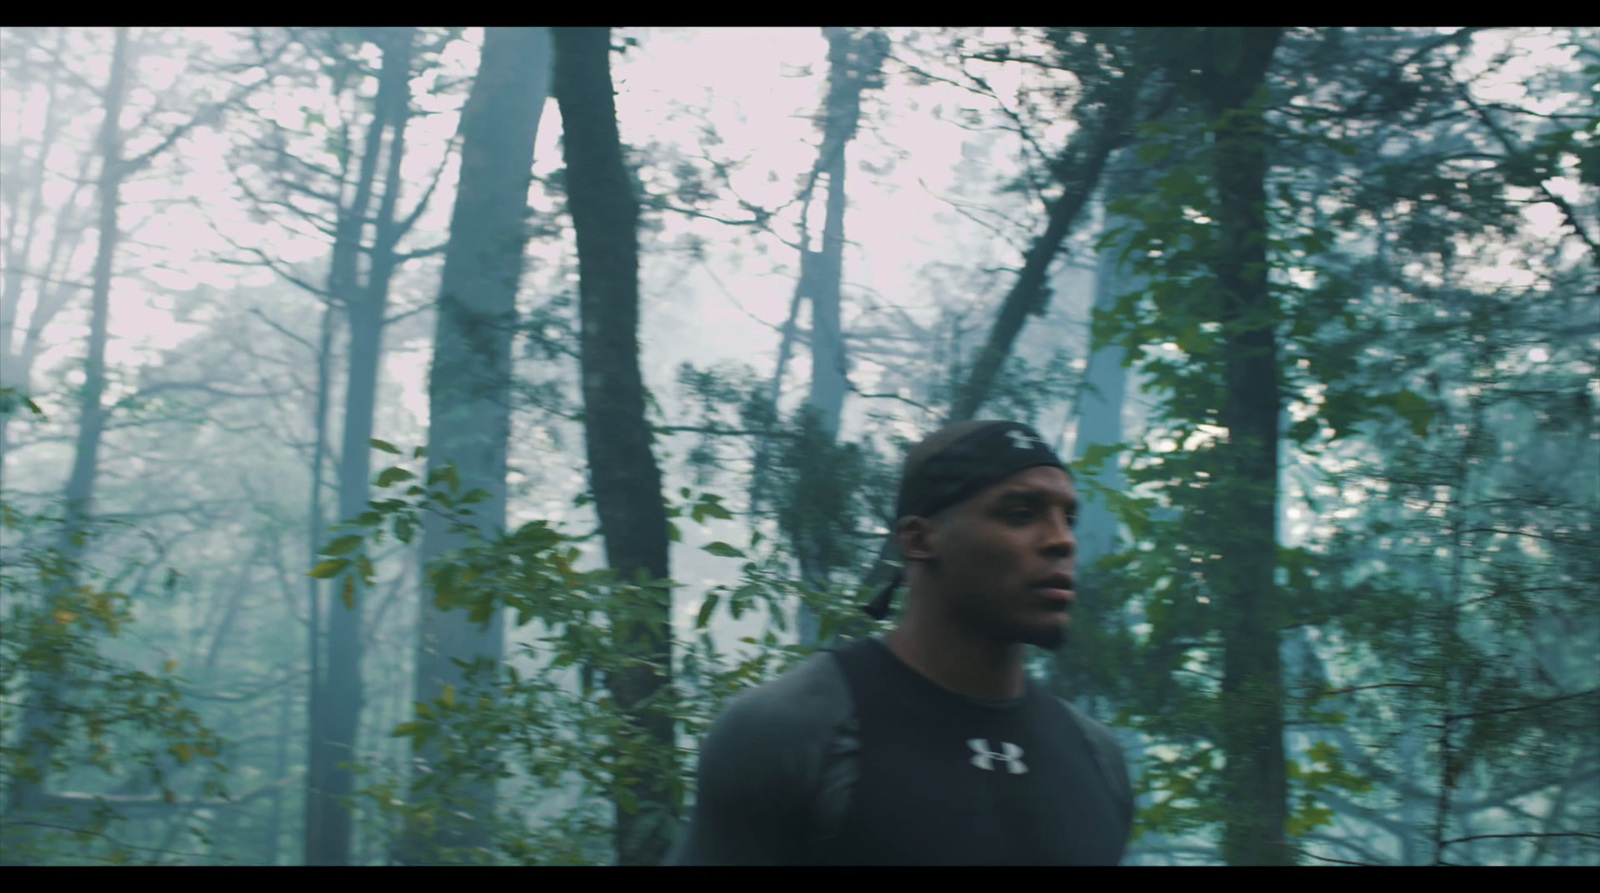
(1023, 440)
(1009, 753)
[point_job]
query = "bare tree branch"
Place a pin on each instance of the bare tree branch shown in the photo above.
(1537, 705)
(164, 386)
(422, 203)
(1512, 149)
(1581, 834)
(239, 697)
(256, 311)
(207, 114)
(431, 250)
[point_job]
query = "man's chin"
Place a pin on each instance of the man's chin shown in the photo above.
(1050, 637)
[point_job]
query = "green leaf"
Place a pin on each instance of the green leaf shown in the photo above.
(1414, 408)
(673, 534)
(706, 608)
(419, 452)
(408, 730)
(349, 593)
(477, 495)
(390, 476)
(627, 800)
(384, 445)
(1096, 455)
(724, 550)
(1308, 820)
(714, 510)
(1305, 429)
(446, 475)
(344, 545)
(329, 568)
(1323, 752)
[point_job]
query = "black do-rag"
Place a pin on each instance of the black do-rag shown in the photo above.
(956, 463)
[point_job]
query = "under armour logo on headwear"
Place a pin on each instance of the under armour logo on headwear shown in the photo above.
(1009, 753)
(1023, 440)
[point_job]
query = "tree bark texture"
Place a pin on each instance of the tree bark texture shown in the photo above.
(469, 388)
(1252, 686)
(623, 473)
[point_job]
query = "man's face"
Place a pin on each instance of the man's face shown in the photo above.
(1002, 562)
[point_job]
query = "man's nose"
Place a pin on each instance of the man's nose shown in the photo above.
(1059, 539)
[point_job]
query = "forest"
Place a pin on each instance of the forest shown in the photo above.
(412, 437)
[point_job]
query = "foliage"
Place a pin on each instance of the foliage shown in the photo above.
(74, 715)
(551, 727)
(1416, 580)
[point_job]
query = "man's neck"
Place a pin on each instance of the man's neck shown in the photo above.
(960, 663)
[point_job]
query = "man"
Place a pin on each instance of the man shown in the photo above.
(931, 746)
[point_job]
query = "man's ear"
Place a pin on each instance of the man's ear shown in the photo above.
(918, 539)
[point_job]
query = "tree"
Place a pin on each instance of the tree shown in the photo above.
(819, 497)
(1233, 71)
(1371, 171)
(624, 476)
(322, 180)
(333, 730)
(470, 383)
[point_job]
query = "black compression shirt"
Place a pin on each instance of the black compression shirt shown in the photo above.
(790, 774)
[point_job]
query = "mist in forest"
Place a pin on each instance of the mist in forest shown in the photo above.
(412, 438)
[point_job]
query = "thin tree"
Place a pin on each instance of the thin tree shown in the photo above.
(333, 734)
(623, 473)
(854, 66)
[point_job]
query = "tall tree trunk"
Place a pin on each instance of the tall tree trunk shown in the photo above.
(312, 819)
(469, 388)
(272, 840)
(86, 457)
(339, 713)
(43, 694)
(820, 272)
(1099, 409)
(828, 382)
(851, 61)
(623, 473)
(1099, 406)
(1252, 686)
